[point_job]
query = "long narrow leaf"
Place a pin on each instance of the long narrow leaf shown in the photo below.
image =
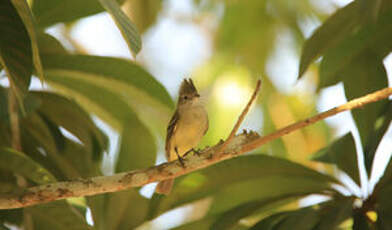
(343, 154)
(28, 20)
(19, 163)
(127, 28)
(16, 54)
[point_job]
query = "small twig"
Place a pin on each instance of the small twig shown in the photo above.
(240, 144)
(241, 118)
(355, 103)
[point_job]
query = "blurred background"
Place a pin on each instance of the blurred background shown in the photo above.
(225, 46)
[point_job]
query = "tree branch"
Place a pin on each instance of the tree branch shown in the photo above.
(239, 144)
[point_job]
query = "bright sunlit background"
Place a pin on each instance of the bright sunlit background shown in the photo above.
(180, 45)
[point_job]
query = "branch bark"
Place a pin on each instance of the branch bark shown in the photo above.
(238, 145)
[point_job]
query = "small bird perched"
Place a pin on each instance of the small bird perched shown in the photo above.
(186, 128)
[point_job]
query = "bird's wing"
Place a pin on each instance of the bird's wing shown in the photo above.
(171, 129)
(207, 126)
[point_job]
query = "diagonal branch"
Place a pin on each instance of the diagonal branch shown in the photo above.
(239, 144)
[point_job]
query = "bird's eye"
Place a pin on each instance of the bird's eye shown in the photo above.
(185, 97)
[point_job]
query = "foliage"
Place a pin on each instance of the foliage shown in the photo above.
(61, 140)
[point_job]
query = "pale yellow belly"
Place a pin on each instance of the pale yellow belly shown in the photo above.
(189, 132)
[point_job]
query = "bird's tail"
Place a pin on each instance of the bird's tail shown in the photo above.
(164, 187)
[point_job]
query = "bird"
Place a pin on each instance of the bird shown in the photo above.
(185, 130)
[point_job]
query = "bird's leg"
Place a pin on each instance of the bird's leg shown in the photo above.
(179, 157)
(197, 152)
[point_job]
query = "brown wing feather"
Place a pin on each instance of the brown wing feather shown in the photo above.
(207, 126)
(171, 128)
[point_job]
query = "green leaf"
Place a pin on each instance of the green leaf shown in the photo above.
(370, 39)
(108, 106)
(331, 32)
(137, 149)
(270, 222)
(49, 45)
(343, 154)
(268, 188)
(113, 73)
(144, 13)
(384, 203)
(77, 156)
(28, 20)
(230, 218)
(121, 84)
(204, 223)
(376, 134)
(333, 213)
(11, 216)
(3, 227)
(49, 12)
(364, 75)
(324, 216)
(69, 115)
(127, 28)
(370, 10)
(303, 219)
(15, 48)
(360, 222)
(58, 215)
(21, 164)
(128, 209)
(212, 180)
(386, 177)
(125, 210)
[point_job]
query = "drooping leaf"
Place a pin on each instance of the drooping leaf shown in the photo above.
(3, 227)
(382, 190)
(360, 222)
(204, 223)
(125, 210)
(143, 13)
(334, 212)
(57, 215)
(370, 39)
(271, 222)
(128, 209)
(16, 54)
(49, 45)
(343, 154)
(302, 219)
(268, 188)
(369, 10)
(386, 177)
(127, 28)
(137, 149)
(112, 73)
(21, 164)
(67, 114)
(24, 12)
(384, 204)
(49, 12)
(323, 216)
(11, 216)
(211, 181)
(364, 75)
(107, 105)
(332, 31)
(111, 88)
(379, 128)
(231, 218)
